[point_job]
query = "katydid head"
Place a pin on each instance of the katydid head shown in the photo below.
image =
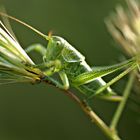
(59, 48)
(54, 48)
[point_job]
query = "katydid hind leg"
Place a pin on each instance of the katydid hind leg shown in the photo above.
(114, 80)
(94, 74)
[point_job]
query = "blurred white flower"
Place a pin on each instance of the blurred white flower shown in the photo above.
(124, 25)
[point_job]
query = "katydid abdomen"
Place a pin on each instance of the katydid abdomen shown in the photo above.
(75, 69)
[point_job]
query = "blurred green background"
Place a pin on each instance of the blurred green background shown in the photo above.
(41, 112)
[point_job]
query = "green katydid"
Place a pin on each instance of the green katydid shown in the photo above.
(62, 58)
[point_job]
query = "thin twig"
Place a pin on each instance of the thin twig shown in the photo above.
(112, 135)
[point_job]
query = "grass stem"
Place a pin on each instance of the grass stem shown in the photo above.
(121, 106)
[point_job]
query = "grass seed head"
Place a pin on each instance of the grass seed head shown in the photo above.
(124, 26)
(15, 64)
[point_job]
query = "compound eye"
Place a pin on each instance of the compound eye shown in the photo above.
(58, 43)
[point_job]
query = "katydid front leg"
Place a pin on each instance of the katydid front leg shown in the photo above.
(55, 67)
(65, 80)
(36, 47)
(64, 85)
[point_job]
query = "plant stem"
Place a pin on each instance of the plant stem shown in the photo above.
(99, 122)
(112, 135)
(121, 106)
